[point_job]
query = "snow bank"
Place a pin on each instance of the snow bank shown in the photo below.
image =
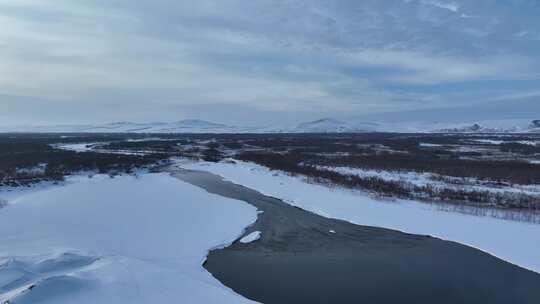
(80, 147)
(121, 240)
(516, 242)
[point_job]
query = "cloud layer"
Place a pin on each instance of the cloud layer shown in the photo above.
(98, 60)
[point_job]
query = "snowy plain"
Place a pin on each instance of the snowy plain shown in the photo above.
(515, 242)
(117, 240)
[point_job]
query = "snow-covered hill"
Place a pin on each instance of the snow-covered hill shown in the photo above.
(182, 126)
(325, 125)
(322, 125)
(329, 125)
(494, 126)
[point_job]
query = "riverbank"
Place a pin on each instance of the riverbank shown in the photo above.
(512, 241)
(127, 239)
(302, 257)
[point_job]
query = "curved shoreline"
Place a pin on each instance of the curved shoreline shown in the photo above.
(510, 241)
(302, 257)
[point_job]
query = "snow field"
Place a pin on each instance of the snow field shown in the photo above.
(121, 240)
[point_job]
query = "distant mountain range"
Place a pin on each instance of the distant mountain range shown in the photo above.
(325, 125)
(182, 126)
(329, 125)
(496, 127)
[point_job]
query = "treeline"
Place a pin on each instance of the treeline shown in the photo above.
(514, 147)
(293, 163)
(399, 152)
(164, 146)
(515, 172)
(26, 162)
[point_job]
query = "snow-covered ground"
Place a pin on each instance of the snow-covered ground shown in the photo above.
(425, 179)
(10, 194)
(499, 142)
(418, 179)
(121, 240)
(95, 147)
(78, 147)
(516, 242)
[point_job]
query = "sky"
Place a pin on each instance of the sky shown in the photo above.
(268, 62)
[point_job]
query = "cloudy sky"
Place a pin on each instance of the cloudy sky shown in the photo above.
(262, 62)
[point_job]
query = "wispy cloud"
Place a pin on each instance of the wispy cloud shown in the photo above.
(451, 6)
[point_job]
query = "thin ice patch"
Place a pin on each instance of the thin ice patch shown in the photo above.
(252, 237)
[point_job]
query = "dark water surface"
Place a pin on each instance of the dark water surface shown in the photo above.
(299, 260)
